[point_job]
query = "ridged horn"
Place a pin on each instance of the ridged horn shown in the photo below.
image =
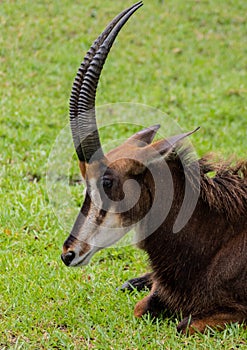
(82, 100)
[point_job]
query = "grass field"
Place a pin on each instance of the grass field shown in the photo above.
(186, 58)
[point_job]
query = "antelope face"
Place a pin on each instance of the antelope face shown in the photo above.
(119, 185)
(112, 206)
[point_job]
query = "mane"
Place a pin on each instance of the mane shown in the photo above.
(223, 184)
(226, 191)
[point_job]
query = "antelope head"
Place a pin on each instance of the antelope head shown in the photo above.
(119, 184)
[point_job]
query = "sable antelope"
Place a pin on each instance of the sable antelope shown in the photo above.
(200, 269)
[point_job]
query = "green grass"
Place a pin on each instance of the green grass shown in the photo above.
(187, 59)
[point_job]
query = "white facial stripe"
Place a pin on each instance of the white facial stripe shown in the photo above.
(109, 232)
(96, 232)
(94, 193)
(89, 225)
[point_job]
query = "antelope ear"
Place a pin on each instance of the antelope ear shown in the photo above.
(166, 145)
(143, 137)
(163, 147)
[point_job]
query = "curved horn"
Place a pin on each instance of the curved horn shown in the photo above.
(82, 101)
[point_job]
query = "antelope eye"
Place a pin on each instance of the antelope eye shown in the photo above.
(107, 182)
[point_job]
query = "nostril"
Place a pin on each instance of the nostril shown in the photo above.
(68, 257)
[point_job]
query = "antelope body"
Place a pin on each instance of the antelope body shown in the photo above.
(201, 270)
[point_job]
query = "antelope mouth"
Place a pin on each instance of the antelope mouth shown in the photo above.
(85, 259)
(70, 259)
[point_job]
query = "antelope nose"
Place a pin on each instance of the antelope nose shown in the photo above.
(68, 257)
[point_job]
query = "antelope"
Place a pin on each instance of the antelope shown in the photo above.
(198, 268)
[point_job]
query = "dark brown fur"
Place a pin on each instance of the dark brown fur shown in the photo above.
(201, 271)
